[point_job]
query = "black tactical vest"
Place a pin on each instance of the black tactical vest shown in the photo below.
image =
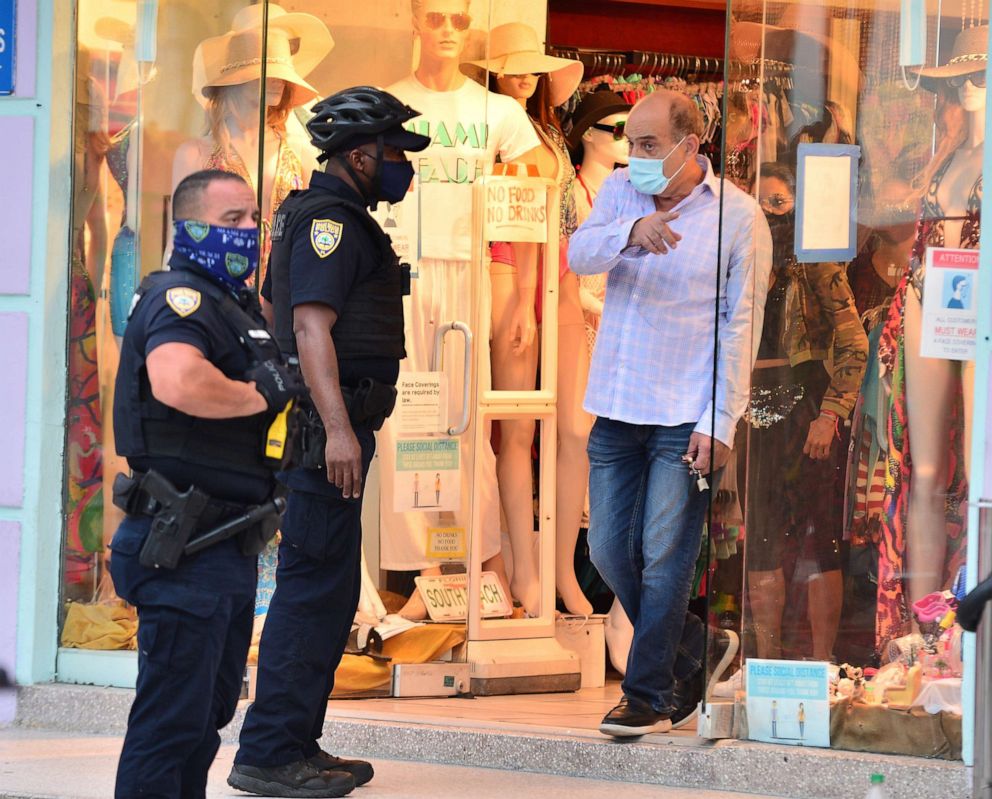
(146, 428)
(371, 323)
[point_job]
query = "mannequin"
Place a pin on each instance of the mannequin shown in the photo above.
(226, 75)
(440, 293)
(519, 69)
(597, 122)
(932, 408)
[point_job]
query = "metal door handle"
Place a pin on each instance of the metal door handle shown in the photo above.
(464, 329)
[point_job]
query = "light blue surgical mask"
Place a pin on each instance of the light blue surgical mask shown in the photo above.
(648, 174)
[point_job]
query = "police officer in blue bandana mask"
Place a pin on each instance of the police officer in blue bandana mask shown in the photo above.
(199, 385)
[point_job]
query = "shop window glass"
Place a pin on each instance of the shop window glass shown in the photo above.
(154, 101)
(847, 539)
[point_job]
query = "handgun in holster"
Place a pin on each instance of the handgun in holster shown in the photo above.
(175, 515)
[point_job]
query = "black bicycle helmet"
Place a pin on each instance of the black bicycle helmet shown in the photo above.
(358, 115)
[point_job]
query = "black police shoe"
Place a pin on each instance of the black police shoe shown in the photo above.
(359, 769)
(299, 780)
(633, 717)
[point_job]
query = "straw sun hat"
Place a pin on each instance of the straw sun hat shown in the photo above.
(296, 44)
(970, 53)
(515, 49)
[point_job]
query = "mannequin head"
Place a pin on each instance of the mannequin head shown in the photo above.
(971, 91)
(533, 92)
(239, 104)
(602, 146)
(443, 28)
(519, 87)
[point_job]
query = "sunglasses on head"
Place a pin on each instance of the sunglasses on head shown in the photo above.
(977, 79)
(435, 19)
(615, 129)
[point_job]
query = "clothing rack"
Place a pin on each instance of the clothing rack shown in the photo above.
(644, 62)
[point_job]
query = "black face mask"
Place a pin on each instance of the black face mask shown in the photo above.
(783, 230)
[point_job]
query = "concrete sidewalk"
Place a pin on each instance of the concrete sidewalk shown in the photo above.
(43, 765)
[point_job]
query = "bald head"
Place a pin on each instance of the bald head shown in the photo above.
(672, 115)
(666, 126)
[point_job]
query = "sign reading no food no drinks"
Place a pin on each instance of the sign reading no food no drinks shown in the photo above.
(515, 209)
(8, 15)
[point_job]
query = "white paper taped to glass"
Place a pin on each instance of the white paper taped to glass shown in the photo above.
(826, 202)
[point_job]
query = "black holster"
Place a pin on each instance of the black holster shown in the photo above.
(368, 405)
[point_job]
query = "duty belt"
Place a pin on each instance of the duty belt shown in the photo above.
(368, 405)
(177, 516)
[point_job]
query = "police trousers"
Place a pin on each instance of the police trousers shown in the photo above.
(318, 583)
(194, 630)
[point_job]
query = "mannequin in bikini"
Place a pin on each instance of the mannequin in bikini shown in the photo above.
(597, 143)
(450, 104)
(923, 539)
(519, 69)
(226, 76)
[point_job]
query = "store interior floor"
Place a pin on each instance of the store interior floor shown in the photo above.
(576, 714)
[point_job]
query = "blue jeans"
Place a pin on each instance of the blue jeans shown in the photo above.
(645, 524)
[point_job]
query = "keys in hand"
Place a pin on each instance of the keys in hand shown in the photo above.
(701, 482)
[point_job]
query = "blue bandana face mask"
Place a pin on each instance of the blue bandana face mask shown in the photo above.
(229, 254)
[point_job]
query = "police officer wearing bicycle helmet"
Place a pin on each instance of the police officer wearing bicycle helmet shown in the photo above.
(336, 292)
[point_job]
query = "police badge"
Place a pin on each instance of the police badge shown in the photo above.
(236, 264)
(197, 230)
(325, 236)
(183, 300)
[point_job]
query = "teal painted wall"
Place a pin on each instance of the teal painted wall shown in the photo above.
(34, 295)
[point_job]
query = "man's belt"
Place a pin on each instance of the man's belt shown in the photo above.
(176, 516)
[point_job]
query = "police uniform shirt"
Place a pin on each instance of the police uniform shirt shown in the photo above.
(324, 271)
(187, 316)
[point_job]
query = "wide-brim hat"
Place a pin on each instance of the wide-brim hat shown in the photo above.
(515, 49)
(295, 45)
(970, 53)
(594, 107)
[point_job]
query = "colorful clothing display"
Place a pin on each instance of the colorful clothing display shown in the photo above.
(84, 444)
(893, 617)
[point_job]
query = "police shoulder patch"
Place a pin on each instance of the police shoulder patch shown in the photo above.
(183, 300)
(325, 236)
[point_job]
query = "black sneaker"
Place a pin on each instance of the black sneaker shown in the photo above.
(296, 780)
(632, 718)
(359, 769)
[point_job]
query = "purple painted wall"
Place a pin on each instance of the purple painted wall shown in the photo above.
(14, 335)
(16, 136)
(25, 69)
(10, 546)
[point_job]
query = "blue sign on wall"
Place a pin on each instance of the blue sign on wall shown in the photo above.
(8, 13)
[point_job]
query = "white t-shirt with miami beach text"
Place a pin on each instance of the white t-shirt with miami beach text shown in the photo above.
(468, 127)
